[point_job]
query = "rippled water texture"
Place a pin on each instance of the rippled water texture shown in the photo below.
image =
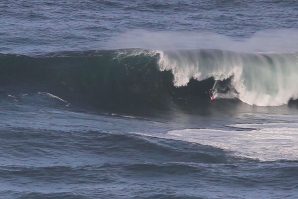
(110, 99)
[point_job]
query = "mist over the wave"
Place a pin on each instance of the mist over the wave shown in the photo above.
(278, 41)
(262, 67)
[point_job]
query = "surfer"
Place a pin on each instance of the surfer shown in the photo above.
(211, 93)
(212, 90)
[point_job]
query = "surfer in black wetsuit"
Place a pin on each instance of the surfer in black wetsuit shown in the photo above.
(220, 90)
(211, 92)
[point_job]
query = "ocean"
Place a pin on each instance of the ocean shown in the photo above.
(111, 99)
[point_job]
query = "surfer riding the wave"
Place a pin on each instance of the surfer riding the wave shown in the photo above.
(223, 89)
(211, 93)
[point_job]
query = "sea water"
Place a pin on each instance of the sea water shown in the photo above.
(110, 99)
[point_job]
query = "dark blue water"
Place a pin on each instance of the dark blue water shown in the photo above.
(45, 26)
(110, 99)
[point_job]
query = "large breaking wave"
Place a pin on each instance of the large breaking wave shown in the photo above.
(256, 79)
(111, 77)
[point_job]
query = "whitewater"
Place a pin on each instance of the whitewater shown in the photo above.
(257, 79)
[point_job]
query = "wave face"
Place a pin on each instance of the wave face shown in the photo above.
(153, 77)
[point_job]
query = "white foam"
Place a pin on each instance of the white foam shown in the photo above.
(53, 96)
(135, 52)
(259, 79)
(268, 142)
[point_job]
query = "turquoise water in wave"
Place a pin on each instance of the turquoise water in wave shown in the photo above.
(80, 118)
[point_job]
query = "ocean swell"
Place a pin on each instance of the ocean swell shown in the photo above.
(109, 78)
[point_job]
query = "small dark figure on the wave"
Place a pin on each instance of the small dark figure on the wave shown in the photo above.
(211, 94)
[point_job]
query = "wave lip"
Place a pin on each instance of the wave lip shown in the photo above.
(256, 78)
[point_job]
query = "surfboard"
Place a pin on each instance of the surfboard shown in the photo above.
(215, 83)
(213, 89)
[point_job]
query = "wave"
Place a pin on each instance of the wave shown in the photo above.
(155, 77)
(255, 78)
